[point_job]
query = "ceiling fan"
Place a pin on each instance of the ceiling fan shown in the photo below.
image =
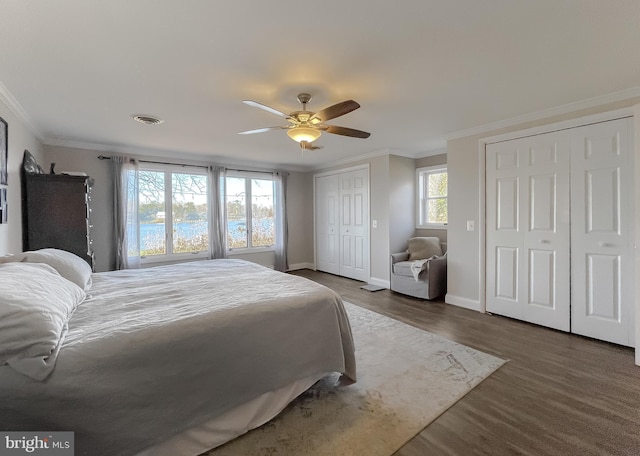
(307, 126)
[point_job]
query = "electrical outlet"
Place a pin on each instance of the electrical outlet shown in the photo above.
(374, 223)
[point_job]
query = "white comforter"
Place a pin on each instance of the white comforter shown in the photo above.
(153, 352)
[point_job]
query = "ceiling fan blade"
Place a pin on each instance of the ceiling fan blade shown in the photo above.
(255, 104)
(260, 130)
(334, 111)
(344, 131)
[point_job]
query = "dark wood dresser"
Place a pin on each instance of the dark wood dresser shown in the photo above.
(55, 213)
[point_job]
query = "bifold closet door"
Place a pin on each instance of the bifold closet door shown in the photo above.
(354, 224)
(342, 223)
(527, 221)
(602, 255)
(327, 191)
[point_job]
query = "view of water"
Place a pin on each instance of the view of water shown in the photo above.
(152, 234)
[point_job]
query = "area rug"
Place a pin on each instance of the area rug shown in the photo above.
(406, 378)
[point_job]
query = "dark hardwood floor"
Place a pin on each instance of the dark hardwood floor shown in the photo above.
(559, 394)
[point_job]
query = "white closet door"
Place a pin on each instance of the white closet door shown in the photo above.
(327, 224)
(527, 220)
(602, 259)
(354, 224)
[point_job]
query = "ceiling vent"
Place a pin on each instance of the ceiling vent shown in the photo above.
(148, 120)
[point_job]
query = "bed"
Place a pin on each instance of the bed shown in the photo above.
(166, 360)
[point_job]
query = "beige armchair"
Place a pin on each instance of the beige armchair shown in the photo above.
(421, 271)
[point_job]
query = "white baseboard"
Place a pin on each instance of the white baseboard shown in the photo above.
(379, 282)
(297, 266)
(467, 303)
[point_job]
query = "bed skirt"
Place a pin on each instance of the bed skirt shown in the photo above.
(231, 424)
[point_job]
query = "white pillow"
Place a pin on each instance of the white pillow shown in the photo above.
(68, 265)
(421, 248)
(36, 304)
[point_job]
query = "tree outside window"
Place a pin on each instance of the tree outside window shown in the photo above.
(172, 212)
(432, 197)
(250, 226)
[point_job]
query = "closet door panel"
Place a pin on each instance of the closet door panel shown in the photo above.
(354, 227)
(602, 200)
(546, 230)
(542, 271)
(327, 225)
(603, 300)
(506, 274)
(602, 266)
(528, 229)
(504, 236)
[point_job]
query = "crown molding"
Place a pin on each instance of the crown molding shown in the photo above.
(9, 100)
(431, 153)
(350, 160)
(568, 108)
(379, 153)
(141, 153)
(403, 153)
(57, 142)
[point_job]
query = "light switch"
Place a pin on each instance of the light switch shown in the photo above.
(471, 225)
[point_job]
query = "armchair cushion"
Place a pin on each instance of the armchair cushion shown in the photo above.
(403, 268)
(421, 248)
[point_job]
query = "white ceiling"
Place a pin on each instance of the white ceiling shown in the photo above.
(421, 69)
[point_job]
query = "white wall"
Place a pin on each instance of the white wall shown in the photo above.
(402, 202)
(19, 138)
(463, 286)
(300, 220)
(379, 210)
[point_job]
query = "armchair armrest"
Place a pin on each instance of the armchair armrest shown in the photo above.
(396, 257)
(437, 265)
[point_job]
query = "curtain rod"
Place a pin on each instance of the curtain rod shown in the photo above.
(104, 157)
(249, 171)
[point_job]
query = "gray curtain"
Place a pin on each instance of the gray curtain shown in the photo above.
(282, 234)
(217, 219)
(125, 209)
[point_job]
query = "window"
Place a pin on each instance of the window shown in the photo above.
(172, 213)
(250, 211)
(432, 185)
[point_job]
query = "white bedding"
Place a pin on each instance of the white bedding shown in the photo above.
(153, 352)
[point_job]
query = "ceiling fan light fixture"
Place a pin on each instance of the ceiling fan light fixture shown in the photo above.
(300, 134)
